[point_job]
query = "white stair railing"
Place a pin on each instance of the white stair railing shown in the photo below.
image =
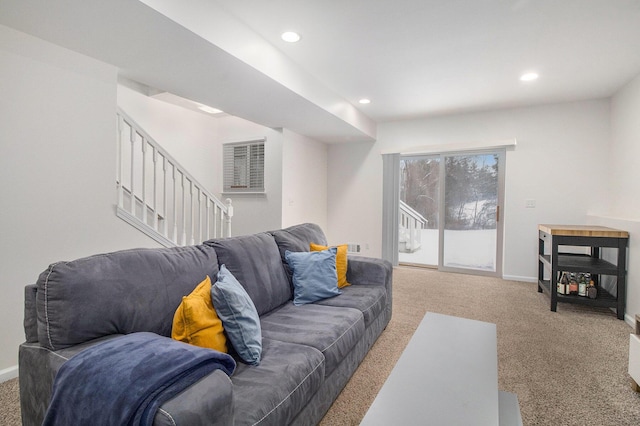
(159, 197)
(411, 225)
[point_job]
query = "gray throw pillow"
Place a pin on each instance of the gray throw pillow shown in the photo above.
(239, 316)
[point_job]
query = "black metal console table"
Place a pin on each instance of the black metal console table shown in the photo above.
(594, 237)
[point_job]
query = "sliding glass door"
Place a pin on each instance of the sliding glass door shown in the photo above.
(418, 237)
(450, 211)
(472, 198)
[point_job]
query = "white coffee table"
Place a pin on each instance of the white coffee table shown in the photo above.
(447, 375)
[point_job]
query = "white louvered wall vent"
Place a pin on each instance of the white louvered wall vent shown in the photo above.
(353, 248)
(243, 166)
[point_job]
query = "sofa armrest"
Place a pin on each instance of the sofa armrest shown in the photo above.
(372, 272)
(207, 402)
(369, 271)
(38, 367)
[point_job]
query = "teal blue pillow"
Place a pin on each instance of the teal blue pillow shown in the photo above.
(314, 275)
(239, 316)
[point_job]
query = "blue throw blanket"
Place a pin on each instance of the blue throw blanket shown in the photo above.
(123, 381)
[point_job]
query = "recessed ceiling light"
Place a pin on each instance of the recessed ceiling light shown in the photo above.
(530, 76)
(291, 37)
(364, 101)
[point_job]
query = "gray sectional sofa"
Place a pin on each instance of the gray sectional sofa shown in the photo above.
(309, 352)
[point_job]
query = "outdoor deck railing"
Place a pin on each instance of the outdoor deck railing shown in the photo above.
(411, 223)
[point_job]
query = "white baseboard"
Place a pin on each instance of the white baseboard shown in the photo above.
(631, 320)
(519, 278)
(8, 373)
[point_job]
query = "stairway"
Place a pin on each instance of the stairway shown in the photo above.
(156, 195)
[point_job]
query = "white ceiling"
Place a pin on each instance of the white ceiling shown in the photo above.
(412, 58)
(422, 57)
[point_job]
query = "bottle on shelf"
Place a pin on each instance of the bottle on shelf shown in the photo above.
(592, 291)
(573, 284)
(582, 285)
(563, 284)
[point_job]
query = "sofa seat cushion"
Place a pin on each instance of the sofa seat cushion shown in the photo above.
(275, 391)
(254, 260)
(370, 300)
(333, 331)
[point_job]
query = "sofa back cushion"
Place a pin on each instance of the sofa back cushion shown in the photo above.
(254, 260)
(295, 239)
(117, 293)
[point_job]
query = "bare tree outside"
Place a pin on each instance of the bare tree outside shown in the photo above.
(420, 187)
(471, 192)
(468, 203)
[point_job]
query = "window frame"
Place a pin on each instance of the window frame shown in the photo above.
(232, 172)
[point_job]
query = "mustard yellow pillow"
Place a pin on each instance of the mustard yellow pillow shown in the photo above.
(341, 262)
(196, 321)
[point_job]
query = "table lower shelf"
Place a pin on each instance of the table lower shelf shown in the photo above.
(604, 299)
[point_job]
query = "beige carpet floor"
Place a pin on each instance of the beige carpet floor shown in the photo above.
(10, 403)
(567, 367)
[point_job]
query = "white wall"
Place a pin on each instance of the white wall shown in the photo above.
(558, 162)
(295, 193)
(57, 168)
(188, 136)
(304, 180)
(624, 167)
(255, 213)
(354, 199)
(622, 211)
